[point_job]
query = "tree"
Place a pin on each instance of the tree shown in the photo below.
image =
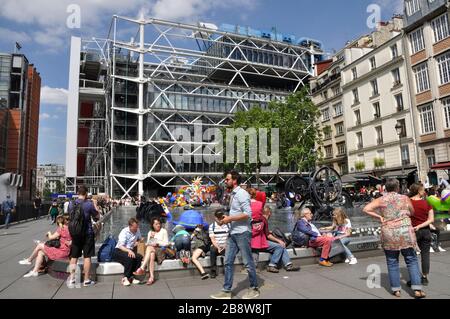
(46, 193)
(359, 166)
(378, 162)
(60, 187)
(299, 132)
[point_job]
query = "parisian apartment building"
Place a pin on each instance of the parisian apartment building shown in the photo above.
(427, 42)
(49, 175)
(385, 98)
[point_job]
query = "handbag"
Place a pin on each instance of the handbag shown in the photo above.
(56, 243)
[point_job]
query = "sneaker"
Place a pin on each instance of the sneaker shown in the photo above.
(139, 272)
(431, 250)
(325, 263)
(222, 295)
(125, 282)
(31, 274)
(347, 260)
(212, 274)
(291, 267)
(252, 293)
(25, 262)
(425, 281)
(441, 249)
(89, 283)
(353, 261)
(272, 269)
(205, 276)
(135, 281)
(70, 283)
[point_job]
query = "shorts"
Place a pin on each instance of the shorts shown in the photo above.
(205, 250)
(85, 245)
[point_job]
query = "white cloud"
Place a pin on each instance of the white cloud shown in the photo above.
(44, 116)
(54, 96)
(45, 129)
(7, 35)
(49, 17)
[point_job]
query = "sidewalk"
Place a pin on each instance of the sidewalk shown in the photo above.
(341, 281)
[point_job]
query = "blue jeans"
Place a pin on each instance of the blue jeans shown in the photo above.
(345, 241)
(394, 269)
(236, 243)
(278, 253)
(182, 243)
(8, 217)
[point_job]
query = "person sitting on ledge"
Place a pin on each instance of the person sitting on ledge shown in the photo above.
(218, 234)
(342, 230)
(157, 242)
(53, 252)
(277, 247)
(200, 245)
(126, 251)
(316, 239)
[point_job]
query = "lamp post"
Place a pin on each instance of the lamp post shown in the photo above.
(399, 129)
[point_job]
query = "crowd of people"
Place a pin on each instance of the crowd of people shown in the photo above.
(406, 229)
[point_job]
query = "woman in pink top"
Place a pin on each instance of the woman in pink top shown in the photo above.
(53, 253)
(259, 240)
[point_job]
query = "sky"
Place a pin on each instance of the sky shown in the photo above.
(41, 27)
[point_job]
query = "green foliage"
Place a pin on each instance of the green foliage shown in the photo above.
(360, 165)
(46, 193)
(378, 162)
(299, 132)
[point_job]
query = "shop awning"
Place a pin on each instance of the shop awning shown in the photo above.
(445, 166)
(361, 178)
(399, 173)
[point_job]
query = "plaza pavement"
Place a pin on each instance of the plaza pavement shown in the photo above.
(312, 282)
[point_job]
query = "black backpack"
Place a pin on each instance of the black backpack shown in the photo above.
(277, 232)
(77, 224)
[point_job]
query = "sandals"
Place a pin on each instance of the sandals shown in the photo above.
(150, 281)
(397, 293)
(419, 294)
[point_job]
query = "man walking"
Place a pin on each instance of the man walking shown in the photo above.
(7, 208)
(84, 243)
(239, 239)
(37, 203)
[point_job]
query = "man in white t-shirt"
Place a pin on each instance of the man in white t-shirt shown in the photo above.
(219, 235)
(66, 206)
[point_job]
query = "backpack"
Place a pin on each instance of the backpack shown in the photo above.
(77, 224)
(106, 250)
(300, 239)
(277, 232)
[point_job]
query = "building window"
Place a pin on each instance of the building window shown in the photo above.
(327, 132)
(373, 63)
(444, 68)
(446, 105)
(403, 124)
(417, 41)
(405, 155)
(325, 95)
(399, 102)
(336, 90)
(374, 85)
(431, 159)
(396, 77)
(343, 169)
(354, 73)
(357, 117)
(422, 79)
(359, 138)
(328, 151)
(379, 132)
(394, 51)
(338, 109)
(440, 27)
(376, 110)
(355, 96)
(339, 129)
(427, 119)
(325, 114)
(341, 149)
(412, 6)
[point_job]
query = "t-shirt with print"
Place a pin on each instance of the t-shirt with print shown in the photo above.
(342, 229)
